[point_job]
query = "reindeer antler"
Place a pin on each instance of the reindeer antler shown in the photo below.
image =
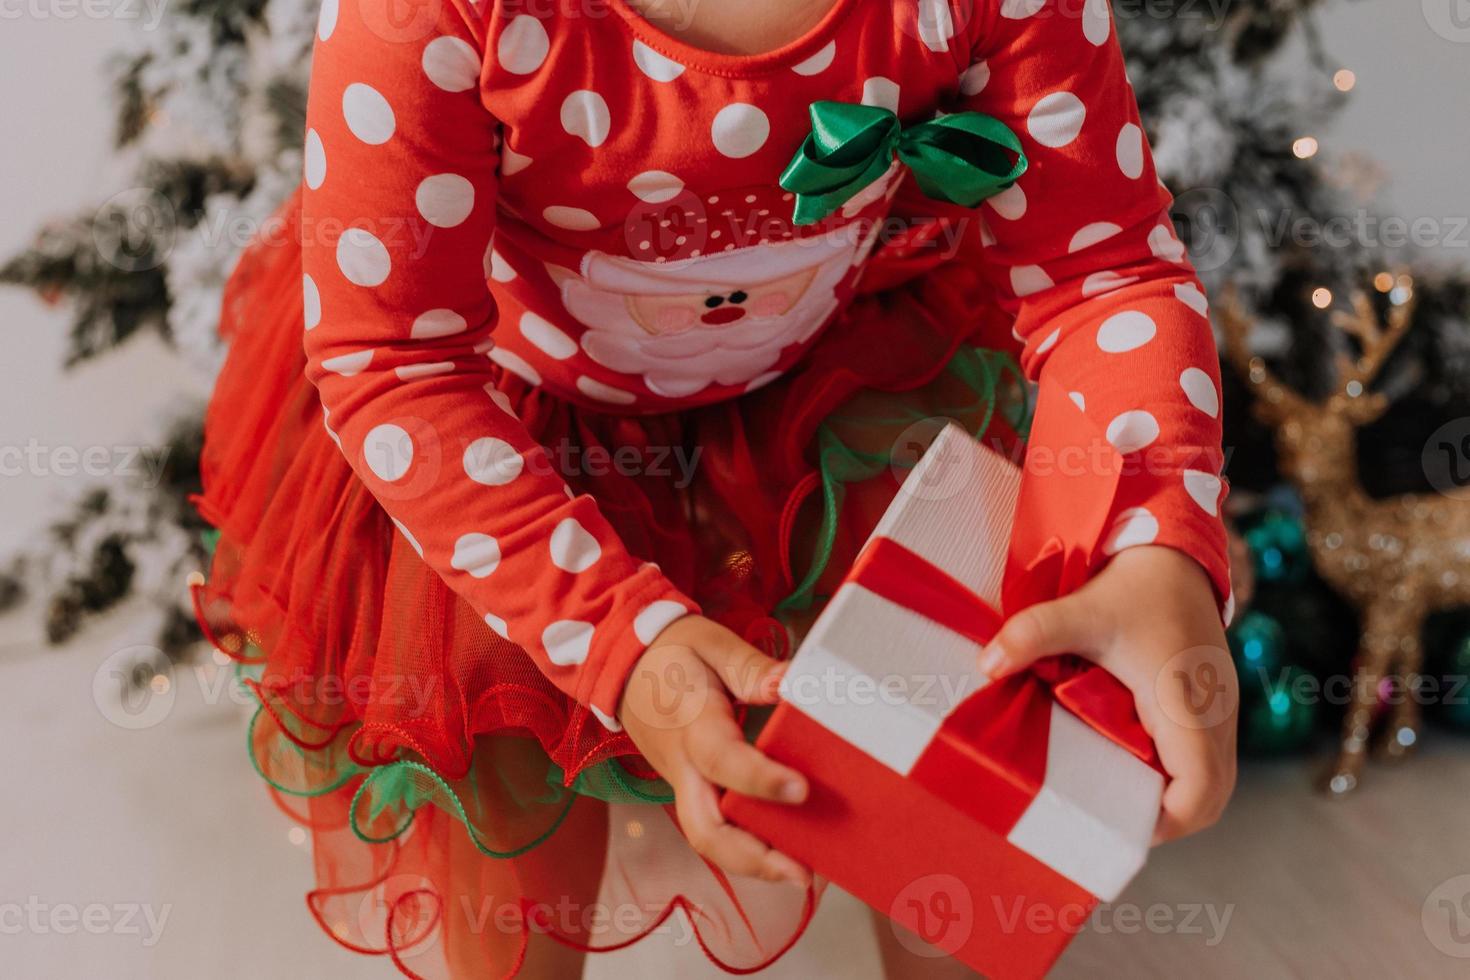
(1377, 342)
(1235, 326)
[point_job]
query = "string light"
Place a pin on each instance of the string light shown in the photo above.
(1321, 297)
(1344, 80)
(1383, 282)
(1305, 148)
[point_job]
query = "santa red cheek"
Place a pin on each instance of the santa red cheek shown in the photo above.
(672, 319)
(771, 304)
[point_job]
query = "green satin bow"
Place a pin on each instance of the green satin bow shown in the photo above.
(961, 158)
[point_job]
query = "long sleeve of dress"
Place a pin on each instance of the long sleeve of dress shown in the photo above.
(399, 208)
(1084, 255)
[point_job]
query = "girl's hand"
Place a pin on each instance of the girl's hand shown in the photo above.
(677, 709)
(1150, 619)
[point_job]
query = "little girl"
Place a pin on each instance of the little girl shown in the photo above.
(597, 294)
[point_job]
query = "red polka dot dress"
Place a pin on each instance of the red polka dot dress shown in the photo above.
(544, 374)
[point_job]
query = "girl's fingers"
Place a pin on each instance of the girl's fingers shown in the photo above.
(748, 674)
(1199, 784)
(1065, 625)
(724, 844)
(1195, 736)
(719, 752)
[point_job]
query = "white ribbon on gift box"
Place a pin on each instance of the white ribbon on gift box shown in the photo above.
(884, 678)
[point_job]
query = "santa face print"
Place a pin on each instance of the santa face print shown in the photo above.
(729, 309)
(714, 319)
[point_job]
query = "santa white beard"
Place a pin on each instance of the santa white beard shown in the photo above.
(680, 364)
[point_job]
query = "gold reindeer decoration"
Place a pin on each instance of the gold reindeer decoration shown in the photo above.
(1396, 559)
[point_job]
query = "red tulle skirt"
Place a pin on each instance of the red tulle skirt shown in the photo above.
(466, 817)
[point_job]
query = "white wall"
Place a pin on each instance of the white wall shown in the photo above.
(1410, 110)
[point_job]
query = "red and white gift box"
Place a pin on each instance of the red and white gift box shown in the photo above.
(987, 817)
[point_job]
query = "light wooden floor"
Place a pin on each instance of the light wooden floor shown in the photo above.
(173, 816)
(1304, 887)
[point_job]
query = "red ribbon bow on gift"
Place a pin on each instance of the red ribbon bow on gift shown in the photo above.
(997, 737)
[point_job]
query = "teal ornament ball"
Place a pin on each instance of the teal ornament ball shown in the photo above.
(1454, 709)
(1258, 646)
(1281, 717)
(1278, 544)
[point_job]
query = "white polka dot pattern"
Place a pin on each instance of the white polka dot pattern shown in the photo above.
(315, 170)
(1132, 431)
(1097, 21)
(881, 92)
(413, 542)
(567, 642)
(570, 218)
(369, 116)
(437, 323)
(312, 299)
(655, 617)
(1199, 388)
(573, 549)
(603, 392)
(975, 78)
(326, 22)
(1190, 295)
(1204, 489)
(348, 365)
(656, 186)
(363, 260)
(936, 24)
(655, 65)
(1020, 9)
(445, 200)
(1056, 120)
(493, 462)
(548, 339)
(1092, 234)
(740, 130)
(523, 45)
(451, 64)
(388, 452)
(1126, 331)
(818, 62)
(410, 352)
(585, 115)
(476, 554)
(1130, 151)
(499, 269)
(1134, 527)
(1029, 279)
(516, 364)
(498, 625)
(605, 720)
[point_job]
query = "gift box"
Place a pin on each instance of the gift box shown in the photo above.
(987, 817)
